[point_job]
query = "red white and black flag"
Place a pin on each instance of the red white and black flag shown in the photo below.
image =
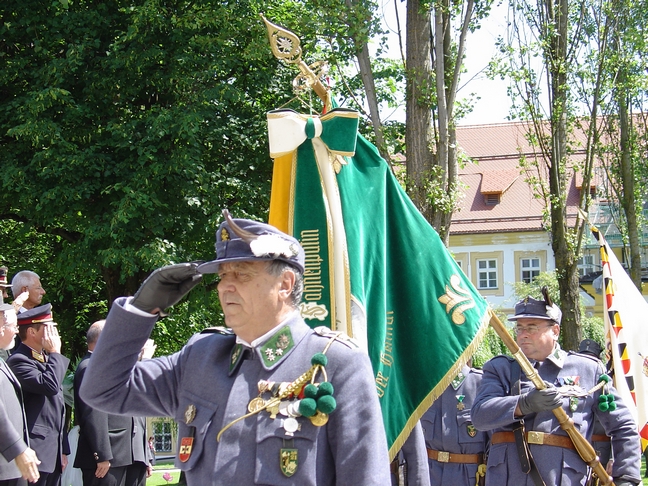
(626, 332)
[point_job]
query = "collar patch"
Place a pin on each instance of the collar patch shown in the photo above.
(276, 348)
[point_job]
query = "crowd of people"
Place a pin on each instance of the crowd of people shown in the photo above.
(270, 400)
(112, 450)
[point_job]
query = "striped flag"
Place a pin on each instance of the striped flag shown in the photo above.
(375, 268)
(626, 332)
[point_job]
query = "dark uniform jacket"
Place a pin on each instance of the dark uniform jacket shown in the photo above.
(209, 384)
(102, 436)
(494, 409)
(42, 386)
(13, 426)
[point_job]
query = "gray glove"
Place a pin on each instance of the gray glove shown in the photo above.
(540, 400)
(166, 286)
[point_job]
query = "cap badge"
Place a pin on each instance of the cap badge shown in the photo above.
(225, 236)
(266, 245)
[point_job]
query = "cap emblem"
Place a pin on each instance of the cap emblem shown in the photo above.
(266, 245)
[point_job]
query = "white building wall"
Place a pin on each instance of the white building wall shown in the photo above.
(509, 245)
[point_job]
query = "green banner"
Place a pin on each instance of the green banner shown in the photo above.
(375, 268)
(424, 317)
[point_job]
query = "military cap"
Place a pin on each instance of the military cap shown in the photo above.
(536, 309)
(3, 278)
(6, 307)
(38, 315)
(240, 240)
(591, 347)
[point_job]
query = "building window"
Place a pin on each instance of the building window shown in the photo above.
(586, 265)
(487, 274)
(491, 199)
(458, 262)
(530, 269)
(162, 436)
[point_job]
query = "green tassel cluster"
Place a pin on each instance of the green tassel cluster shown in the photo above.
(317, 398)
(606, 400)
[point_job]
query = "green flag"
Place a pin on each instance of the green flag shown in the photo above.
(394, 286)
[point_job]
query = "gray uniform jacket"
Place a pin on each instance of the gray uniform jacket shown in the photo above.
(447, 427)
(209, 383)
(13, 426)
(494, 408)
(414, 457)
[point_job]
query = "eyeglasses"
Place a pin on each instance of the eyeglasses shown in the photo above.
(531, 330)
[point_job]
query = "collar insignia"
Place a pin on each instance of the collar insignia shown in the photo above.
(459, 379)
(275, 349)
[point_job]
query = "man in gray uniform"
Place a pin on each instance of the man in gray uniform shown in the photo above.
(455, 448)
(18, 461)
(270, 401)
(507, 400)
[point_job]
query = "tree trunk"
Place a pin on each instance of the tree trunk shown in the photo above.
(627, 181)
(567, 268)
(418, 136)
(366, 73)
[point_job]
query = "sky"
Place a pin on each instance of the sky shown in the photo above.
(493, 105)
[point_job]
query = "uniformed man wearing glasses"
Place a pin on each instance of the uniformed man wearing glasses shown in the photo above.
(527, 444)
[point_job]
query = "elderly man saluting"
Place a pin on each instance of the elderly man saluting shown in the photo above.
(270, 401)
(527, 444)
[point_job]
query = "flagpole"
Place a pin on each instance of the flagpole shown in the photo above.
(286, 46)
(584, 448)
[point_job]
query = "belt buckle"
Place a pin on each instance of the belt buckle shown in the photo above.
(535, 437)
(443, 456)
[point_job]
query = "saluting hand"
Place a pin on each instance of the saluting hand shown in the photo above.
(51, 339)
(27, 463)
(166, 286)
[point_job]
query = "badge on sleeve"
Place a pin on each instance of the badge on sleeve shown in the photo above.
(288, 461)
(190, 414)
(186, 444)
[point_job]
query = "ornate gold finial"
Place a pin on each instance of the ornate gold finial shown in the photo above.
(286, 46)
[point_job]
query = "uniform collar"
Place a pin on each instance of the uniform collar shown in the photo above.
(557, 356)
(461, 376)
(274, 346)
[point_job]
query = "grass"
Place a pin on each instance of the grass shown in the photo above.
(157, 480)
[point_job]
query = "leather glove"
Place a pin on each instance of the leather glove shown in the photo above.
(166, 286)
(540, 400)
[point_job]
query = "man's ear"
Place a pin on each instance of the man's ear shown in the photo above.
(287, 283)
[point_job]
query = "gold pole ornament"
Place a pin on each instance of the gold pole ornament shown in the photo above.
(286, 46)
(584, 448)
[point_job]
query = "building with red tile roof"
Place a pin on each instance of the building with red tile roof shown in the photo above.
(498, 233)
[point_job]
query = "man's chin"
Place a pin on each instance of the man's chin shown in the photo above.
(10, 345)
